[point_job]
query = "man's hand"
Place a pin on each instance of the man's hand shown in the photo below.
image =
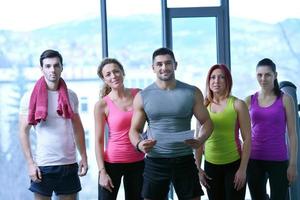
(146, 145)
(34, 173)
(203, 178)
(194, 143)
(83, 167)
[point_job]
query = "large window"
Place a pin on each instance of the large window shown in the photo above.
(192, 3)
(194, 44)
(258, 29)
(262, 29)
(27, 28)
(133, 36)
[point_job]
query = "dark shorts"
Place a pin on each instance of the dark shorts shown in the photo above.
(181, 171)
(61, 179)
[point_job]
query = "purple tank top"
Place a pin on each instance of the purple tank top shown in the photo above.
(268, 130)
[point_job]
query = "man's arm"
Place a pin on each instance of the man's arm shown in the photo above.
(204, 128)
(137, 125)
(24, 128)
(203, 177)
(202, 115)
(198, 152)
(80, 143)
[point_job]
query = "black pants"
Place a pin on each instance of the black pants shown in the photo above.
(277, 173)
(222, 182)
(132, 174)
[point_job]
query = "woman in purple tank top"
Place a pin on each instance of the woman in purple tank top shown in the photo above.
(272, 113)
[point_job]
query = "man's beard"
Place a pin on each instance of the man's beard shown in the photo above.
(168, 78)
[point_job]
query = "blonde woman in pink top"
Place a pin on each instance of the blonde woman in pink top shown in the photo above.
(117, 158)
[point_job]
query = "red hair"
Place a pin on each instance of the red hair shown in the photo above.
(228, 81)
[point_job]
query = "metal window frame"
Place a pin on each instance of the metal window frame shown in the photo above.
(221, 13)
(103, 15)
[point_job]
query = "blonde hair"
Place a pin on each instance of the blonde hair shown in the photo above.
(106, 89)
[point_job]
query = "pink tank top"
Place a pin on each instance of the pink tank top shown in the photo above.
(268, 130)
(119, 148)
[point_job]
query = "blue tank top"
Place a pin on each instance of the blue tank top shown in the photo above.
(168, 111)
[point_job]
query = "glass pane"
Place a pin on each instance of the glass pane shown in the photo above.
(192, 3)
(274, 35)
(74, 30)
(194, 44)
(134, 32)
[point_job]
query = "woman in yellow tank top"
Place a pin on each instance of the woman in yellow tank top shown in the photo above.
(226, 157)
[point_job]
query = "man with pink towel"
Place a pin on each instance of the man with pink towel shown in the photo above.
(52, 110)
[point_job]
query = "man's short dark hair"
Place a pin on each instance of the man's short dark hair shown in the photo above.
(49, 53)
(163, 51)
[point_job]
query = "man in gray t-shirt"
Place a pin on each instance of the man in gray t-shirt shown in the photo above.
(168, 106)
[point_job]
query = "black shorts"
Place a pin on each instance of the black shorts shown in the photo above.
(181, 171)
(61, 179)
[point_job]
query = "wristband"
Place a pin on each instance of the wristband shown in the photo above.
(137, 146)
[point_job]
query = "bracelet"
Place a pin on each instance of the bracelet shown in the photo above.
(137, 146)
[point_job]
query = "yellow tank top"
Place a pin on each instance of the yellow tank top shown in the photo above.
(224, 146)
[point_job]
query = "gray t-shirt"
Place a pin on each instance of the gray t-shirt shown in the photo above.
(168, 111)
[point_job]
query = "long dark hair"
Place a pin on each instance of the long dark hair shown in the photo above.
(106, 89)
(268, 62)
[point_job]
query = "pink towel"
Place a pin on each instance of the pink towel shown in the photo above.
(38, 105)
